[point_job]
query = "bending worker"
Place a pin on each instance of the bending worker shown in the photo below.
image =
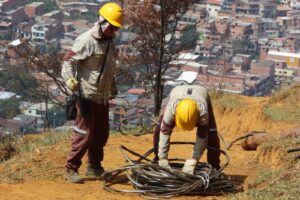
(88, 69)
(189, 107)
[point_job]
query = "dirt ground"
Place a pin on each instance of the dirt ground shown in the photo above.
(243, 165)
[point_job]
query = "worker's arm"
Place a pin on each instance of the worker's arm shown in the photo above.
(166, 128)
(78, 52)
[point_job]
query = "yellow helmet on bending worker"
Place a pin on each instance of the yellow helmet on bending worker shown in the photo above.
(113, 13)
(186, 115)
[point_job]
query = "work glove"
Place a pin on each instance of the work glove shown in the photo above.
(72, 84)
(189, 166)
(164, 163)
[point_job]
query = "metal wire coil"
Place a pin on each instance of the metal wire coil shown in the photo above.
(152, 181)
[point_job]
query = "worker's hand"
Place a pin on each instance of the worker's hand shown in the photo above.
(163, 162)
(189, 166)
(72, 84)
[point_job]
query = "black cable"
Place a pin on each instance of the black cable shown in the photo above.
(293, 150)
(152, 181)
(243, 137)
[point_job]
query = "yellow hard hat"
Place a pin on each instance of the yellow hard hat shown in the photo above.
(113, 13)
(186, 114)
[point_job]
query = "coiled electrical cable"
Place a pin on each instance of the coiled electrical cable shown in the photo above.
(152, 181)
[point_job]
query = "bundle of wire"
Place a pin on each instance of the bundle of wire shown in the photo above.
(152, 181)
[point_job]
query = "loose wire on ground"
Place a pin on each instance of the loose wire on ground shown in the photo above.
(152, 181)
(295, 150)
(241, 138)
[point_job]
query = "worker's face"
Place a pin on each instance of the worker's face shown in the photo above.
(110, 30)
(107, 29)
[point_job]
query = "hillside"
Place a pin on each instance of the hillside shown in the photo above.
(35, 170)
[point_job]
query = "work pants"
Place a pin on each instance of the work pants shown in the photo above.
(93, 119)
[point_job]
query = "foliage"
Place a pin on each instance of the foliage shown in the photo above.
(56, 116)
(153, 43)
(45, 68)
(19, 80)
(7, 35)
(38, 74)
(242, 46)
(9, 107)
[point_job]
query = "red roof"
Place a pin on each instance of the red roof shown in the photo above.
(215, 2)
(136, 91)
(5, 24)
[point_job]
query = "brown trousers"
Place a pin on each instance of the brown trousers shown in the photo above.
(93, 118)
(213, 154)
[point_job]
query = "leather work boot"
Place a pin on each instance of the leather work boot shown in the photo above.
(72, 176)
(94, 172)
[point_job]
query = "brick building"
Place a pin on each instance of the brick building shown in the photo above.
(34, 9)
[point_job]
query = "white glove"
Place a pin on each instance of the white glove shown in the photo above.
(189, 166)
(164, 163)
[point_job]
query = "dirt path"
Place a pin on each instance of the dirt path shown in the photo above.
(241, 167)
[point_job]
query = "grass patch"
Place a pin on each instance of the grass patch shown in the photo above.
(287, 113)
(282, 183)
(283, 144)
(32, 142)
(226, 100)
(26, 167)
(286, 95)
(31, 158)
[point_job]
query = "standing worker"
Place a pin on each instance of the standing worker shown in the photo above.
(88, 70)
(189, 107)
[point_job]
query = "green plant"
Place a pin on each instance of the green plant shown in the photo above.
(30, 160)
(280, 183)
(288, 94)
(226, 100)
(287, 113)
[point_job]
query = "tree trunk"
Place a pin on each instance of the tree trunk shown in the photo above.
(158, 90)
(46, 115)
